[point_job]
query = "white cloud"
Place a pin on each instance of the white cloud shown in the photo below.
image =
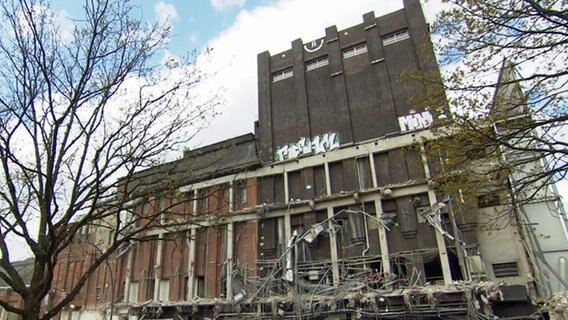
(272, 27)
(194, 37)
(169, 59)
(65, 25)
(59, 20)
(221, 5)
(165, 13)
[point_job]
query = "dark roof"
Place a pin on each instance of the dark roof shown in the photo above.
(25, 268)
(222, 158)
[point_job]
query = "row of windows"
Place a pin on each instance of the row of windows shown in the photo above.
(391, 167)
(355, 50)
(347, 53)
(395, 37)
(317, 63)
(282, 74)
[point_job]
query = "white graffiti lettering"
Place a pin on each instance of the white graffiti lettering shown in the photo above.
(305, 146)
(314, 46)
(415, 121)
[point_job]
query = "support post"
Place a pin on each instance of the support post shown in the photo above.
(333, 247)
(383, 243)
(230, 237)
(440, 241)
(158, 267)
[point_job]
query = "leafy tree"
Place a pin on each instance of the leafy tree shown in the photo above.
(82, 102)
(502, 94)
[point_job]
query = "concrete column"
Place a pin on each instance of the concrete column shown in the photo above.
(128, 274)
(333, 246)
(231, 197)
(158, 267)
(230, 237)
(191, 258)
(287, 228)
(327, 178)
(383, 243)
(195, 202)
(286, 188)
(440, 241)
(191, 263)
(373, 173)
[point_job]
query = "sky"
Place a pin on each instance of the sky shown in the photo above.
(236, 31)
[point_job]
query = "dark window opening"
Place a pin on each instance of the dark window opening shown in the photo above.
(476, 153)
(184, 286)
(269, 242)
(241, 193)
(200, 286)
(121, 291)
(271, 189)
(320, 186)
(433, 271)
(488, 200)
(356, 224)
(225, 189)
(336, 177)
(364, 172)
(455, 269)
(150, 289)
(399, 272)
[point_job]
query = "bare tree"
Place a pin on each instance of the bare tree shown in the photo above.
(503, 90)
(81, 105)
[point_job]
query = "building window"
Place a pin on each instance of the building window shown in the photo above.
(488, 200)
(241, 192)
(225, 191)
(202, 201)
(363, 172)
(282, 74)
(395, 37)
(200, 286)
(317, 63)
(506, 269)
(355, 50)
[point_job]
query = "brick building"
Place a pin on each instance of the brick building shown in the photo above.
(328, 210)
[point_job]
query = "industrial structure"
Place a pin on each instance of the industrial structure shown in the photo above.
(330, 210)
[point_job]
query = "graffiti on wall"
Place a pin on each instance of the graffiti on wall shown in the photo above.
(415, 121)
(314, 46)
(318, 144)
